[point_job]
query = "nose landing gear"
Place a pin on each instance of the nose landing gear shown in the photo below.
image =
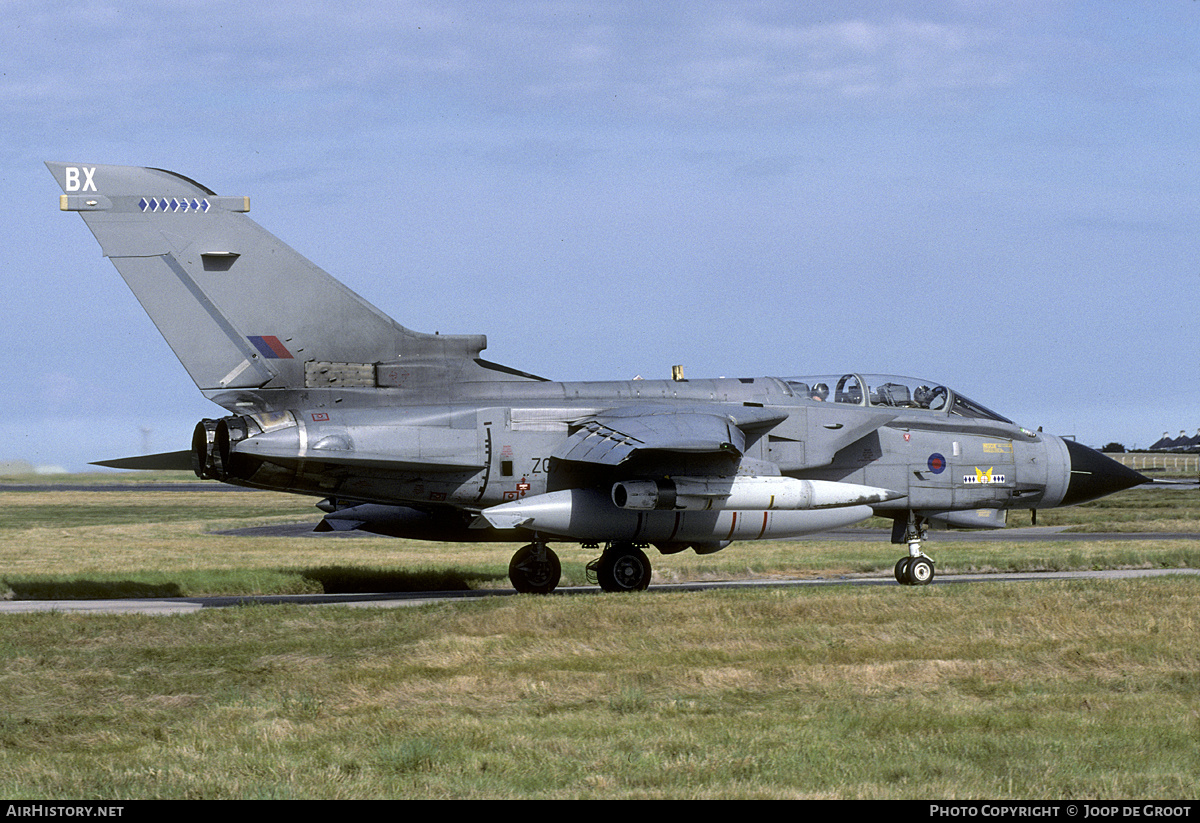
(917, 568)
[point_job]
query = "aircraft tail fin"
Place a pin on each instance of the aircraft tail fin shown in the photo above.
(240, 308)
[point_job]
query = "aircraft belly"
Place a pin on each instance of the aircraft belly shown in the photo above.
(429, 489)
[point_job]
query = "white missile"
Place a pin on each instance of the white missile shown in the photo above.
(745, 493)
(587, 515)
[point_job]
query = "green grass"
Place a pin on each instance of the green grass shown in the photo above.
(1033, 690)
(1022, 690)
(1134, 510)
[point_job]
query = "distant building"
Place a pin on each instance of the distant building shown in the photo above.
(1161, 444)
(1182, 443)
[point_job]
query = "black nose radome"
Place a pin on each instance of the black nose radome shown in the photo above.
(1093, 475)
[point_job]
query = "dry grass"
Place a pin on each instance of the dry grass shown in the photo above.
(1050, 690)
(1026, 690)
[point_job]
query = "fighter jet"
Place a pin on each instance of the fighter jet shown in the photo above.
(415, 435)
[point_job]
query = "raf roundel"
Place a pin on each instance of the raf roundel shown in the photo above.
(937, 463)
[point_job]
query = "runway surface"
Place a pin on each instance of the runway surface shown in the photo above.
(184, 605)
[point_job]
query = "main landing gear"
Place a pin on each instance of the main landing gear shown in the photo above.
(917, 568)
(621, 567)
(534, 569)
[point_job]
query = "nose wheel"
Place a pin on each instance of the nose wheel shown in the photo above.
(916, 569)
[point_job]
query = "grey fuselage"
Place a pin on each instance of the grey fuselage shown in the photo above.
(492, 442)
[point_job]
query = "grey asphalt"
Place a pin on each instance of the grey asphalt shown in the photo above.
(184, 605)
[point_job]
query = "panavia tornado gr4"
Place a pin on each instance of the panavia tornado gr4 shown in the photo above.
(415, 435)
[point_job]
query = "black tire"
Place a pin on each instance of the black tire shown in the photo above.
(901, 570)
(623, 568)
(529, 575)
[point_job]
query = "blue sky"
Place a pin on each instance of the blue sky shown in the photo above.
(1000, 196)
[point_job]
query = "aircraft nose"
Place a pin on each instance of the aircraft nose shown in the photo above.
(1093, 475)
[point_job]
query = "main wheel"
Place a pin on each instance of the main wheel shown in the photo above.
(534, 569)
(623, 568)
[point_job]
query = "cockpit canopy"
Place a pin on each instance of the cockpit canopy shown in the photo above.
(889, 391)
